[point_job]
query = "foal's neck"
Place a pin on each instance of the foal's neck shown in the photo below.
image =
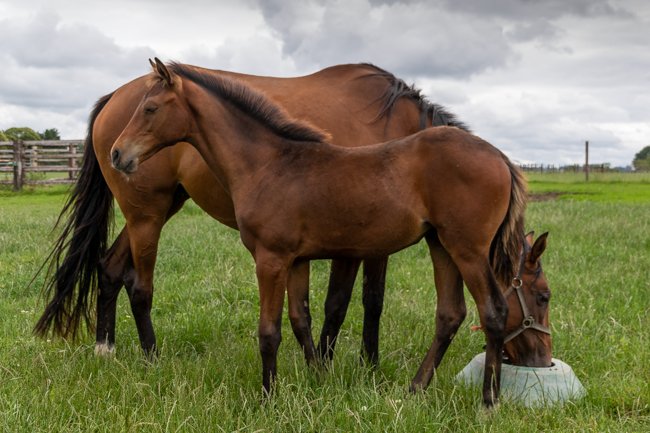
(237, 145)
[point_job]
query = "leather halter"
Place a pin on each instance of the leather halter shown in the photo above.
(528, 321)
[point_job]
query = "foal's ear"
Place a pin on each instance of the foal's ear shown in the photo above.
(538, 248)
(162, 72)
(530, 237)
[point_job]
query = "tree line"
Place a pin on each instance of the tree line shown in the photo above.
(641, 160)
(26, 134)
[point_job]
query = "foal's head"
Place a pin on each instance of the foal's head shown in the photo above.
(161, 119)
(528, 339)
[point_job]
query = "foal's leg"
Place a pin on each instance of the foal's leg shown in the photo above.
(374, 283)
(112, 268)
(271, 273)
(299, 315)
(339, 291)
(493, 312)
(450, 311)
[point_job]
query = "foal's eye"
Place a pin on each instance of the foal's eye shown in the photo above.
(150, 109)
(543, 298)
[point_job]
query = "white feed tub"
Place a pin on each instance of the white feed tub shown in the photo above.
(531, 386)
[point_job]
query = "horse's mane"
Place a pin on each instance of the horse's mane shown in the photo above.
(252, 102)
(397, 89)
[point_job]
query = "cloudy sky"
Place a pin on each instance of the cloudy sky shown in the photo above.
(535, 78)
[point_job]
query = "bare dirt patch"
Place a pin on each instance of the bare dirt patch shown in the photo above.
(543, 196)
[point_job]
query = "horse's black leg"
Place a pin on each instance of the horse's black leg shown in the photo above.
(117, 268)
(111, 273)
(374, 283)
(144, 236)
(339, 291)
(450, 311)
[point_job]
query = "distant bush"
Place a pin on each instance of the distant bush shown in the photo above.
(641, 160)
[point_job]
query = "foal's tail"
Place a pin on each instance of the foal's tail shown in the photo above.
(506, 245)
(72, 265)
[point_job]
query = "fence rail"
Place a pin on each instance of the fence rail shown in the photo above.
(573, 168)
(39, 162)
(42, 162)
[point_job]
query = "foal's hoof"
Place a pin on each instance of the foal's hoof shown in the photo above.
(104, 350)
(415, 387)
(486, 413)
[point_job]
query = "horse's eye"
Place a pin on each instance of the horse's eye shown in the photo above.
(150, 109)
(543, 298)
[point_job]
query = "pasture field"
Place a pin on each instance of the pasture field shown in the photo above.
(208, 375)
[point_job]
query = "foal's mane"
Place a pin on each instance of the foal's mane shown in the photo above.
(398, 88)
(252, 102)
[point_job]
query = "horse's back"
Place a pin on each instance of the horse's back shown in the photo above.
(344, 100)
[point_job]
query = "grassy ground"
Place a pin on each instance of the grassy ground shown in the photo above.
(602, 187)
(205, 313)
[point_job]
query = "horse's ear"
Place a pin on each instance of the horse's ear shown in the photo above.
(163, 73)
(153, 65)
(538, 248)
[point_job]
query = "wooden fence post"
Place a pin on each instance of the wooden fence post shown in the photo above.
(586, 161)
(72, 147)
(18, 165)
(32, 155)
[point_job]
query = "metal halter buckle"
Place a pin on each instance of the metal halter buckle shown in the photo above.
(528, 322)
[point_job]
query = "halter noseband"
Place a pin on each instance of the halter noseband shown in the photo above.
(529, 320)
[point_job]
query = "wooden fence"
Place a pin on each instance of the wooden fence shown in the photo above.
(574, 168)
(55, 162)
(39, 162)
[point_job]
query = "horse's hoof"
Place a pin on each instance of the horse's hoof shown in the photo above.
(104, 350)
(367, 361)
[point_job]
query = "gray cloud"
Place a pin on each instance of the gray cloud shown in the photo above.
(535, 10)
(536, 78)
(48, 64)
(44, 42)
(413, 39)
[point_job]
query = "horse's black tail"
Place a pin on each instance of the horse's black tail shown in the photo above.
(72, 265)
(506, 245)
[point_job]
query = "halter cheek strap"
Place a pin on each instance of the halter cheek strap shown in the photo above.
(529, 321)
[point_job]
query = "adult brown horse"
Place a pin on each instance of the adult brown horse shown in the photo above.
(297, 198)
(357, 104)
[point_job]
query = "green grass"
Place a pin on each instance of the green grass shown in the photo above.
(208, 375)
(602, 187)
